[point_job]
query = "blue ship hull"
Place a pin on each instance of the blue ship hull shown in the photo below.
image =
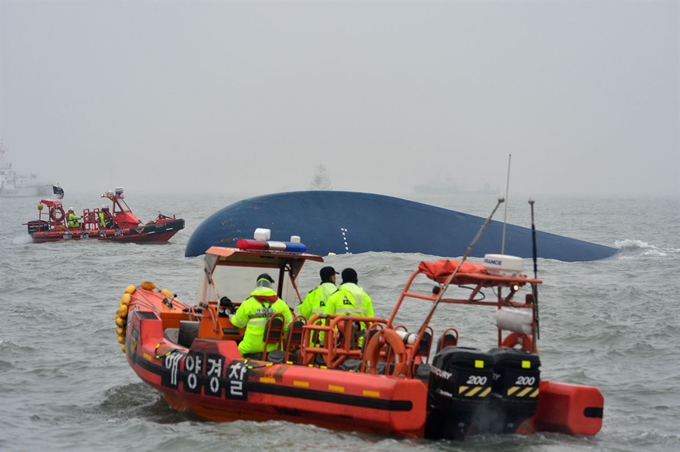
(349, 222)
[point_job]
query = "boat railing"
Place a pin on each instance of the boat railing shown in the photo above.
(91, 219)
(332, 340)
(475, 283)
(294, 339)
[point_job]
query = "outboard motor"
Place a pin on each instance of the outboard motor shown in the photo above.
(38, 226)
(516, 380)
(459, 389)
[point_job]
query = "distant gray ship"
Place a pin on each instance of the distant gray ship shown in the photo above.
(14, 185)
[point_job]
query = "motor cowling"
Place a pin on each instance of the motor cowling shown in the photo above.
(38, 226)
(516, 381)
(459, 388)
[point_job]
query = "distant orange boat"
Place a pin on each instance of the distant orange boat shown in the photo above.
(124, 226)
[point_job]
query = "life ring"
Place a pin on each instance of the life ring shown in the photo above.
(526, 341)
(398, 351)
(57, 210)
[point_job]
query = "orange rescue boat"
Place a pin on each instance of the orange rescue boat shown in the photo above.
(366, 374)
(123, 226)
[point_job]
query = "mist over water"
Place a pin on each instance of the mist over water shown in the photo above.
(215, 96)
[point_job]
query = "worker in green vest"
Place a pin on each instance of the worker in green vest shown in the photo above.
(105, 218)
(254, 314)
(350, 299)
(315, 301)
(73, 219)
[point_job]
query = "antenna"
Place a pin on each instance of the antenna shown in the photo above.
(505, 214)
(534, 287)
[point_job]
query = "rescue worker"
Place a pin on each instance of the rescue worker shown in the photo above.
(350, 299)
(254, 314)
(105, 218)
(73, 219)
(315, 301)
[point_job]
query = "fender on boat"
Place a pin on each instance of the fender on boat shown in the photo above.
(350, 222)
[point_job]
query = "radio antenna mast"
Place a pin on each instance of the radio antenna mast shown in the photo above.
(505, 215)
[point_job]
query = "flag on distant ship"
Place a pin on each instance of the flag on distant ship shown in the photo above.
(58, 191)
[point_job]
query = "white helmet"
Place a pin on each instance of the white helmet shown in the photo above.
(103, 207)
(70, 208)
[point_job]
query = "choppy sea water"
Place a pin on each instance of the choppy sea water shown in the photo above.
(65, 384)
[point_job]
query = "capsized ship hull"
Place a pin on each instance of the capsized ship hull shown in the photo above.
(348, 222)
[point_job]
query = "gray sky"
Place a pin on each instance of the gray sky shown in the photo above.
(251, 96)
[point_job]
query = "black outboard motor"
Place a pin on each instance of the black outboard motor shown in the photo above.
(38, 226)
(459, 388)
(516, 379)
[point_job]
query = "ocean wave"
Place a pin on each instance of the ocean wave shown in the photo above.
(643, 248)
(629, 244)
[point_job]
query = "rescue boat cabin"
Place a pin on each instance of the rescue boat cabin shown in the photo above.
(121, 212)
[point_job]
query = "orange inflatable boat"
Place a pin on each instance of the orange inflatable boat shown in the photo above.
(366, 374)
(401, 382)
(122, 225)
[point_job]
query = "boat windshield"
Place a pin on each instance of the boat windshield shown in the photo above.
(122, 206)
(238, 282)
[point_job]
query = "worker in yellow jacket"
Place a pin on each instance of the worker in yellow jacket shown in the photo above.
(73, 219)
(254, 314)
(315, 301)
(350, 299)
